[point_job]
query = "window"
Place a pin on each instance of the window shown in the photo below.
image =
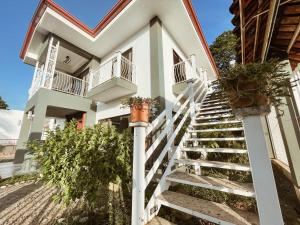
(179, 68)
(126, 65)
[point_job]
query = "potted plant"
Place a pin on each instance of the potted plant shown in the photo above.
(252, 88)
(140, 108)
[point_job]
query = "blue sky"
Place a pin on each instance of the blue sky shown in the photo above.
(15, 15)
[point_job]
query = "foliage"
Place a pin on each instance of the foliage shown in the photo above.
(3, 104)
(79, 162)
(223, 50)
(18, 178)
(255, 84)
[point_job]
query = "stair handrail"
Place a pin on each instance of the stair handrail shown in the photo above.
(172, 135)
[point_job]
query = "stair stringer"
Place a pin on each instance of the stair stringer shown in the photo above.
(163, 184)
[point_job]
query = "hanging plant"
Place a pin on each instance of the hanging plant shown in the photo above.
(140, 108)
(254, 87)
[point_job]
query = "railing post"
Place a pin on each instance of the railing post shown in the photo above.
(194, 67)
(192, 99)
(47, 62)
(119, 64)
(262, 173)
(33, 83)
(91, 79)
(138, 174)
(205, 78)
(54, 64)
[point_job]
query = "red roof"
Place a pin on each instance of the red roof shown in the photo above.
(119, 6)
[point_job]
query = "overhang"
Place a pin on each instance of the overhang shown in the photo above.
(125, 18)
(267, 29)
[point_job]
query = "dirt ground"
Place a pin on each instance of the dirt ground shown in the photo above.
(29, 203)
(290, 207)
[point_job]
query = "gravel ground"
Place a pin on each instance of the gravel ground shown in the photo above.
(29, 203)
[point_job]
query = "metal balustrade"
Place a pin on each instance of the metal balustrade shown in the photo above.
(184, 106)
(118, 66)
(68, 84)
(186, 70)
(59, 82)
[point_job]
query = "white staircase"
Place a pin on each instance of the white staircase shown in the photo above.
(211, 121)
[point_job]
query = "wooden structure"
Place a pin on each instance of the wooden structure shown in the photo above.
(267, 28)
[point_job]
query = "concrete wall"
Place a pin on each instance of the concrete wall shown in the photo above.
(276, 137)
(10, 124)
(169, 44)
(140, 44)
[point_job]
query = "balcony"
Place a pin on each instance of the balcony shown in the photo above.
(112, 80)
(59, 81)
(185, 71)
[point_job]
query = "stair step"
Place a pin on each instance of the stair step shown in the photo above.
(217, 123)
(218, 139)
(159, 221)
(212, 101)
(212, 183)
(217, 130)
(214, 112)
(217, 103)
(215, 164)
(215, 150)
(214, 117)
(207, 210)
(212, 107)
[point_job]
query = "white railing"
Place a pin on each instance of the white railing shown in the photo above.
(37, 82)
(182, 71)
(68, 84)
(59, 82)
(186, 70)
(184, 106)
(118, 66)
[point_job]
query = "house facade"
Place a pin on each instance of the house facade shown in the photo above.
(140, 48)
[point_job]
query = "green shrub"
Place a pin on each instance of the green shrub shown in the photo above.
(80, 162)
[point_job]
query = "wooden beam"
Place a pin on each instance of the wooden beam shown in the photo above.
(257, 31)
(273, 9)
(294, 38)
(242, 28)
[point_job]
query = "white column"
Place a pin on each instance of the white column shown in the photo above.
(47, 62)
(91, 78)
(119, 64)
(138, 175)
(262, 173)
(194, 67)
(33, 83)
(54, 63)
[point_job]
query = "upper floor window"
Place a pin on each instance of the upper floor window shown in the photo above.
(179, 68)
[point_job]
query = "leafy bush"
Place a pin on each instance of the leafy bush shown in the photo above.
(80, 162)
(255, 84)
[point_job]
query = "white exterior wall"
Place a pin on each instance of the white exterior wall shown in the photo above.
(275, 133)
(169, 44)
(140, 44)
(10, 124)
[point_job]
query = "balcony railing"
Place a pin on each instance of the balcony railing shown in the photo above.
(186, 70)
(68, 84)
(118, 66)
(59, 82)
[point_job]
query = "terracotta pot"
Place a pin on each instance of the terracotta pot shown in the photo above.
(262, 100)
(241, 102)
(139, 113)
(249, 86)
